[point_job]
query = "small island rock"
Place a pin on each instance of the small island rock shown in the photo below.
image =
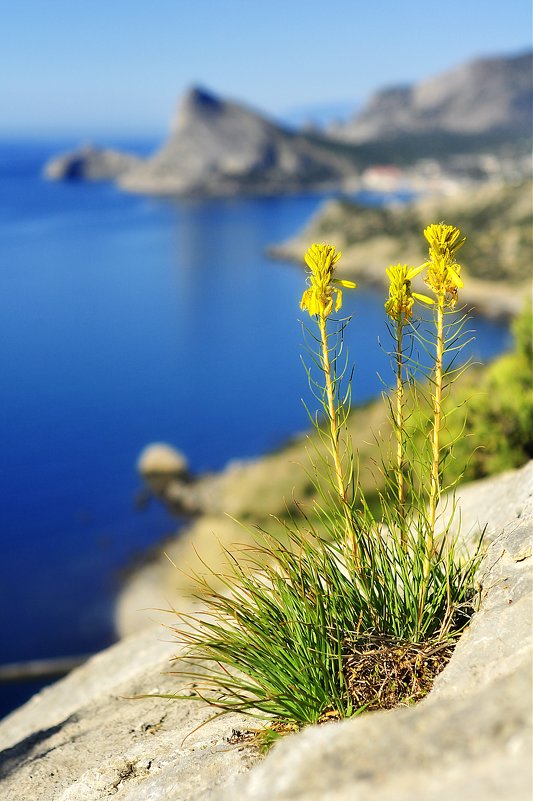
(90, 164)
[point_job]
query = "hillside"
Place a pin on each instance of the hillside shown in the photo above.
(497, 221)
(221, 147)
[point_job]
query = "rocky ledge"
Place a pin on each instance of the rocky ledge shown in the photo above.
(85, 739)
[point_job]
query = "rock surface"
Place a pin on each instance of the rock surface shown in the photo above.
(82, 739)
(471, 737)
(489, 96)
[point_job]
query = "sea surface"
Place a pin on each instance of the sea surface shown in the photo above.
(126, 320)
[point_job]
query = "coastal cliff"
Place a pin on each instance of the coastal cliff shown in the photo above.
(219, 147)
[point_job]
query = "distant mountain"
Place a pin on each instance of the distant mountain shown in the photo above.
(219, 147)
(489, 96)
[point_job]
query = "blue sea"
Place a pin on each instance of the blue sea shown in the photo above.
(127, 320)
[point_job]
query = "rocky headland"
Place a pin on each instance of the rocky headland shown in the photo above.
(220, 147)
(85, 739)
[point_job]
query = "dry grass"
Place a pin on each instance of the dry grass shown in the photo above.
(382, 672)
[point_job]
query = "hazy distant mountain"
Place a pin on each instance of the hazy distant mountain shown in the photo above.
(487, 96)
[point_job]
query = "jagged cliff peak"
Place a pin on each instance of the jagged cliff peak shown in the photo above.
(196, 102)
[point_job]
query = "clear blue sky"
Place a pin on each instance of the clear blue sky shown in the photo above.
(93, 67)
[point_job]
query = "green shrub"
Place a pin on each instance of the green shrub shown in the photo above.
(493, 428)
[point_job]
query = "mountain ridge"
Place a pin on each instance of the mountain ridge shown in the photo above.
(220, 148)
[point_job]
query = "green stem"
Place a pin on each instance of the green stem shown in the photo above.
(435, 487)
(335, 436)
(399, 433)
(332, 411)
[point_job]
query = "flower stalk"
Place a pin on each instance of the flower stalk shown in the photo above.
(444, 279)
(324, 294)
(399, 307)
(332, 411)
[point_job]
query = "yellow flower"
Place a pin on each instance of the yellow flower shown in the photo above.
(443, 271)
(399, 305)
(323, 288)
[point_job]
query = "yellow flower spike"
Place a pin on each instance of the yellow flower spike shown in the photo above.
(323, 287)
(443, 271)
(399, 305)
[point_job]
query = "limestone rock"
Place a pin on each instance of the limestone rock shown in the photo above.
(89, 163)
(474, 748)
(216, 147)
(85, 739)
(471, 738)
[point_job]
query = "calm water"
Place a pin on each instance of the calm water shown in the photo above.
(126, 320)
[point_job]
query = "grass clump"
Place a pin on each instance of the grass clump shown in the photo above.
(353, 608)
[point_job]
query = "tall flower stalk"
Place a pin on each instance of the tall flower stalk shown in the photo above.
(443, 278)
(445, 281)
(399, 307)
(323, 295)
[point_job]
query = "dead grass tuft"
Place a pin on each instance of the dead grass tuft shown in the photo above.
(381, 672)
